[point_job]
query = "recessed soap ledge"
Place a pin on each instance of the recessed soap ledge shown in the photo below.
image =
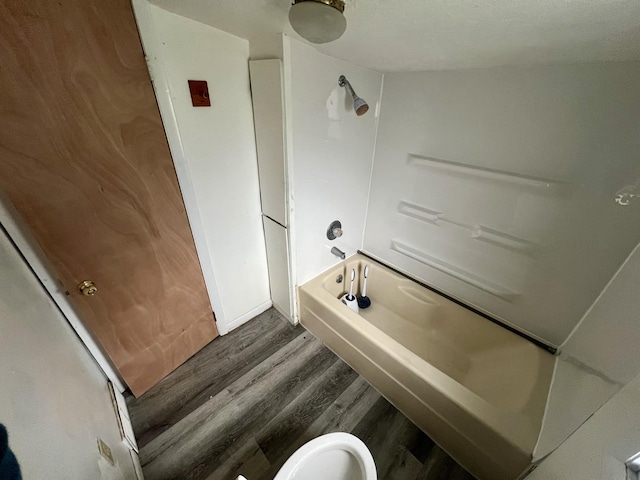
(475, 388)
(478, 232)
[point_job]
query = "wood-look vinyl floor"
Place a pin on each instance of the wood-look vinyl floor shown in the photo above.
(249, 399)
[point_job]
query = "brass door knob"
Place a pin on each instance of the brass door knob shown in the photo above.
(87, 288)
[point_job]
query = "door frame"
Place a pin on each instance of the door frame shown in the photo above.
(150, 45)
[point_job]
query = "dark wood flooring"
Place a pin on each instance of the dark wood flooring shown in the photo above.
(249, 399)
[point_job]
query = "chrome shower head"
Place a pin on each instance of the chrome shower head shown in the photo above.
(359, 105)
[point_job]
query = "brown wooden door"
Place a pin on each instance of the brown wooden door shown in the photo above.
(85, 160)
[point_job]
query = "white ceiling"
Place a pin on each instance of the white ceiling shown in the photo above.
(399, 35)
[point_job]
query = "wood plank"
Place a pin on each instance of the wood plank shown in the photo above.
(278, 437)
(256, 398)
(280, 379)
(205, 375)
(247, 460)
(345, 413)
(438, 466)
(182, 450)
(341, 416)
(385, 438)
(403, 467)
(251, 387)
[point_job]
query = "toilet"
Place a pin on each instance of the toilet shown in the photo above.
(335, 456)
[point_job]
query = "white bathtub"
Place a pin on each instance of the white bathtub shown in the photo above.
(477, 389)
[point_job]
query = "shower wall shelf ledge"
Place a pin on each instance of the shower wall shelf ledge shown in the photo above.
(453, 270)
(504, 239)
(419, 212)
(538, 183)
(478, 232)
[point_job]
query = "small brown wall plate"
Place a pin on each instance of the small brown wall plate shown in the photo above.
(199, 93)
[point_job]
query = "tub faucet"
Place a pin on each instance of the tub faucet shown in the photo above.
(338, 253)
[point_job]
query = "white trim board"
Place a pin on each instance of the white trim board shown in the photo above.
(235, 323)
(289, 182)
(124, 421)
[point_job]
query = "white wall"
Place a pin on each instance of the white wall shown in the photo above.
(599, 448)
(597, 360)
(508, 178)
(55, 401)
(330, 152)
(215, 154)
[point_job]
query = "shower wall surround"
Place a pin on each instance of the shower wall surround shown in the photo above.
(597, 360)
(498, 186)
(329, 154)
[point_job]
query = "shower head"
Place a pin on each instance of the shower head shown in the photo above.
(359, 105)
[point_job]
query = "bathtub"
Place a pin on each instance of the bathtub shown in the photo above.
(477, 389)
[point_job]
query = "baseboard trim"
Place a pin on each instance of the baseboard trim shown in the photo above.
(241, 320)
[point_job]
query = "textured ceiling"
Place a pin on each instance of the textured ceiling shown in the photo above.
(398, 35)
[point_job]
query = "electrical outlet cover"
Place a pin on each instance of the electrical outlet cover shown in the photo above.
(105, 451)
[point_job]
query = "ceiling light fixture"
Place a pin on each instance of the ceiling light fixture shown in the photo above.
(319, 21)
